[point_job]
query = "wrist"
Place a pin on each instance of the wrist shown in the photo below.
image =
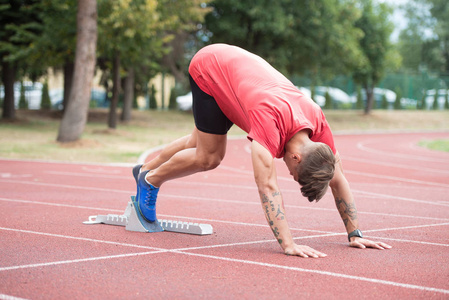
(355, 233)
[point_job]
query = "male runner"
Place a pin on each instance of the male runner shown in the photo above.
(233, 86)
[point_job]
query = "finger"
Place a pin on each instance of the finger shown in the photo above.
(314, 253)
(386, 246)
(357, 245)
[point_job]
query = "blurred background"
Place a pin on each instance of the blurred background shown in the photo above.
(344, 54)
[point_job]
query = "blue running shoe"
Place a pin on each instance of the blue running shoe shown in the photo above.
(146, 198)
(136, 171)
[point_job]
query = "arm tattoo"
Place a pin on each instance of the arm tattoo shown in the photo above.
(264, 198)
(270, 209)
(347, 210)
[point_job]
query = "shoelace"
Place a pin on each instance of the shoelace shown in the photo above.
(150, 198)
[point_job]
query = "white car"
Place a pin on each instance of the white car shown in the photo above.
(185, 102)
(441, 97)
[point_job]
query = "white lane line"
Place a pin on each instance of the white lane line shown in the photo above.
(55, 263)
(253, 186)
(407, 241)
(406, 227)
(437, 203)
(79, 238)
(9, 297)
(362, 146)
(183, 251)
(397, 179)
(166, 197)
(132, 192)
(395, 165)
(66, 186)
(313, 271)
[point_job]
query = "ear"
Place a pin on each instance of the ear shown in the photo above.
(297, 157)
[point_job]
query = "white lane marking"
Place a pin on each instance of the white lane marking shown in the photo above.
(9, 297)
(55, 263)
(362, 146)
(401, 198)
(407, 241)
(397, 178)
(184, 252)
(320, 272)
(395, 165)
(79, 238)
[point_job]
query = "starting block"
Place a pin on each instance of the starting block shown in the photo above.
(133, 221)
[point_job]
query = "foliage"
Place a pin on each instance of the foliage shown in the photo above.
(435, 100)
(152, 100)
(328, 100)
(295, 36)
(397, 102)
(21, 23)
(375, 46)
(423, 43)
(446, 100)
(23, 103)
(384, 102)
(45, 100)
(359, 103)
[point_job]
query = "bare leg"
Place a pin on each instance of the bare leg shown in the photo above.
(171, 149)
(208, 153)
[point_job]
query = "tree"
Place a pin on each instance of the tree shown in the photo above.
(295, 36)
(397, 102)
(152, 101)
(55, 46)
(129, 36)
(45, 99)
(424, 43)
(375, 46)
(20, 23)
(328, 102)
(75, 116)
(23, 103)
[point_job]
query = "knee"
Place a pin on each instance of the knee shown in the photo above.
(210, 162)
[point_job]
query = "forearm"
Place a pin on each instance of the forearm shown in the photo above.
(273, 207)
(344, 201)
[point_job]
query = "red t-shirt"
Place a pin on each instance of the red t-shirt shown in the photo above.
(258, 98)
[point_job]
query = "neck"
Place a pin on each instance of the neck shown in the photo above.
(298, 142)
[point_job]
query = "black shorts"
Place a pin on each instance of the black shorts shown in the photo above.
(207, 114)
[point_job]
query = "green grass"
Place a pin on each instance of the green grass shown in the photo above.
(33, 134)
(438, 145)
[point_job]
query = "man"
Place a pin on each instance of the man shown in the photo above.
(232, 86)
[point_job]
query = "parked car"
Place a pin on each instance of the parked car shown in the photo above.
(97, 98)
(441, 97)
(33, 94)
(336, 94)
(378, 95)
(319, 99)
(185, 102)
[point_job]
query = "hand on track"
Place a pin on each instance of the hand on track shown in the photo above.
(357, 242)
(303, 251)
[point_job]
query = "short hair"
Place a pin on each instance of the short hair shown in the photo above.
(315, 170)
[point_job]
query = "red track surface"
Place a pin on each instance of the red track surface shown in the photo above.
(401, 191)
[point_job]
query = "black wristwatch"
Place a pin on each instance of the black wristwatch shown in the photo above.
(355, 233)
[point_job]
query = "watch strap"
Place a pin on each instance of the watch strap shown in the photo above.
(356, 232)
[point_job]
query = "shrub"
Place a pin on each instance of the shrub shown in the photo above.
(45, 100)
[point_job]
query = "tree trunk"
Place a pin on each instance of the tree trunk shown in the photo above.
(128, 96)
(369, 99)
(75, 115)
(68, 80)
(8, 78)
(112, 120)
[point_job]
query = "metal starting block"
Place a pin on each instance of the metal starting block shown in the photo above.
(133, 221)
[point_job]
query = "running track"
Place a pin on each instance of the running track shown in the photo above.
(401, 191)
